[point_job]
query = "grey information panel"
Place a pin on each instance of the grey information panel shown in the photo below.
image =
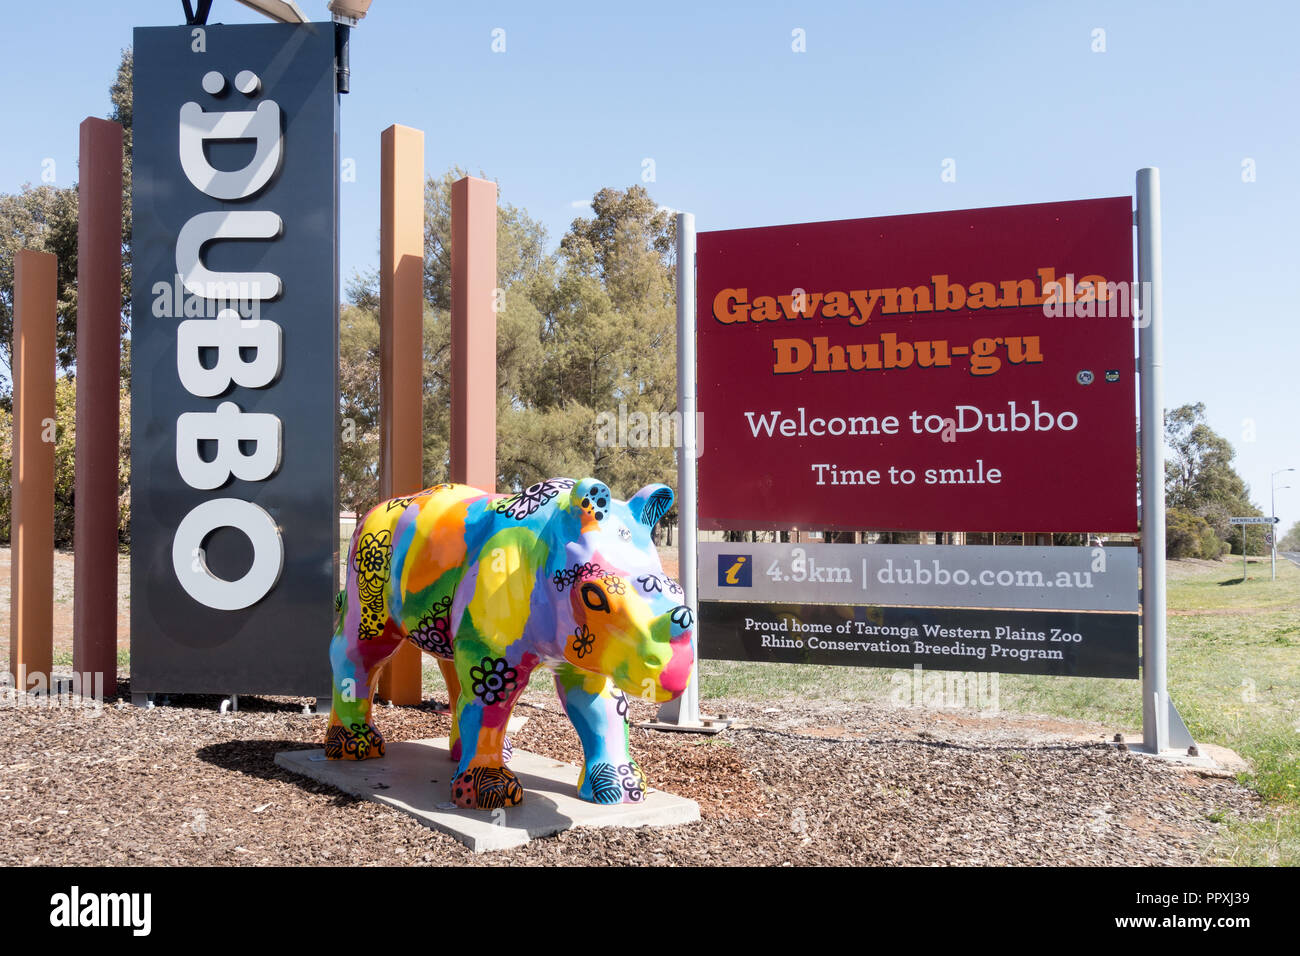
(234, 359)
(1030, 578)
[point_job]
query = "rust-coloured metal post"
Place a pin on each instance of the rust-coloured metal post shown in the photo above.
(99, 310)
(401, 346)
(31, 572)
(474, 333)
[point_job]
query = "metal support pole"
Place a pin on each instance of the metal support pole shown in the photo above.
(1243, 552)
(685, 710)
(1161, 723)
(1272, 499)
(1155, 688)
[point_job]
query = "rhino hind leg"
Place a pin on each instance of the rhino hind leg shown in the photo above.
(352, 734)
(360, 741)
(486, 788)
(364, 639)
(488, 689)
(449, 677)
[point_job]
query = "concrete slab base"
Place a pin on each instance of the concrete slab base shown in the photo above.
(705, 725)
(415, 777)
(1210, 757)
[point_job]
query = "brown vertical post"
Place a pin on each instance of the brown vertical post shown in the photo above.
(401, 347)
(99, 310)
(31, 572)
(474, 333)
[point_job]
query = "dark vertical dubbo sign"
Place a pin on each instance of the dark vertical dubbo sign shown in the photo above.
(234, 348)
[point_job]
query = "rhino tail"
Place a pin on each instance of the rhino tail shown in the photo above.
(341, 599)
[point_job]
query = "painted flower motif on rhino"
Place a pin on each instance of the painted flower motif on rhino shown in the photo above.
(373, 553)
(372, 559)
(654, 583)
(583, 641)
(433, 631)
(567, 577)
(527, 502)
(494, 680)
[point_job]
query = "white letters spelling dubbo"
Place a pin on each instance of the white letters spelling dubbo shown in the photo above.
(231, 338)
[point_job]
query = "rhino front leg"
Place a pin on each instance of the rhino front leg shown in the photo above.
(489, 688)
(598, 712)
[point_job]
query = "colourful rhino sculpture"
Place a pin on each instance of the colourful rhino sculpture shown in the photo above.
(560, 576)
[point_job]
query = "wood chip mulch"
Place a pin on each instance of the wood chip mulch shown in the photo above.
(804, 784)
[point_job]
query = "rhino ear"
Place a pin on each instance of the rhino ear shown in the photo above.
(650, 504)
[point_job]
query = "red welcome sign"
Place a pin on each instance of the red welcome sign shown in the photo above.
(955, 371)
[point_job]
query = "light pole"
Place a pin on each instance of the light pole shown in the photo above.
(1272, 487)
(346, 14)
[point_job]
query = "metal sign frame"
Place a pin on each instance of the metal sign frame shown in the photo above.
(1163, 728)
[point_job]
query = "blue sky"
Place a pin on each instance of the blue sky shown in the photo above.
(743, 131)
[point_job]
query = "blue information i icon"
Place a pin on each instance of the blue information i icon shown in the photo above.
(735, 570)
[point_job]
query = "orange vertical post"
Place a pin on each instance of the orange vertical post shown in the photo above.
(401, 347)
(474, 333)
(99, 311)
(31, 582)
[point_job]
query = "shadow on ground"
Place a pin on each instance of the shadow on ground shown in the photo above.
(256, 758)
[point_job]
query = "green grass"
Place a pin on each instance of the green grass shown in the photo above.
(1268, 842)
(1116, 702)
(63, 661)
(1234, 672)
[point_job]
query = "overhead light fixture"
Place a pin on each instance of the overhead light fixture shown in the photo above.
(348, 11)
(285, 11)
